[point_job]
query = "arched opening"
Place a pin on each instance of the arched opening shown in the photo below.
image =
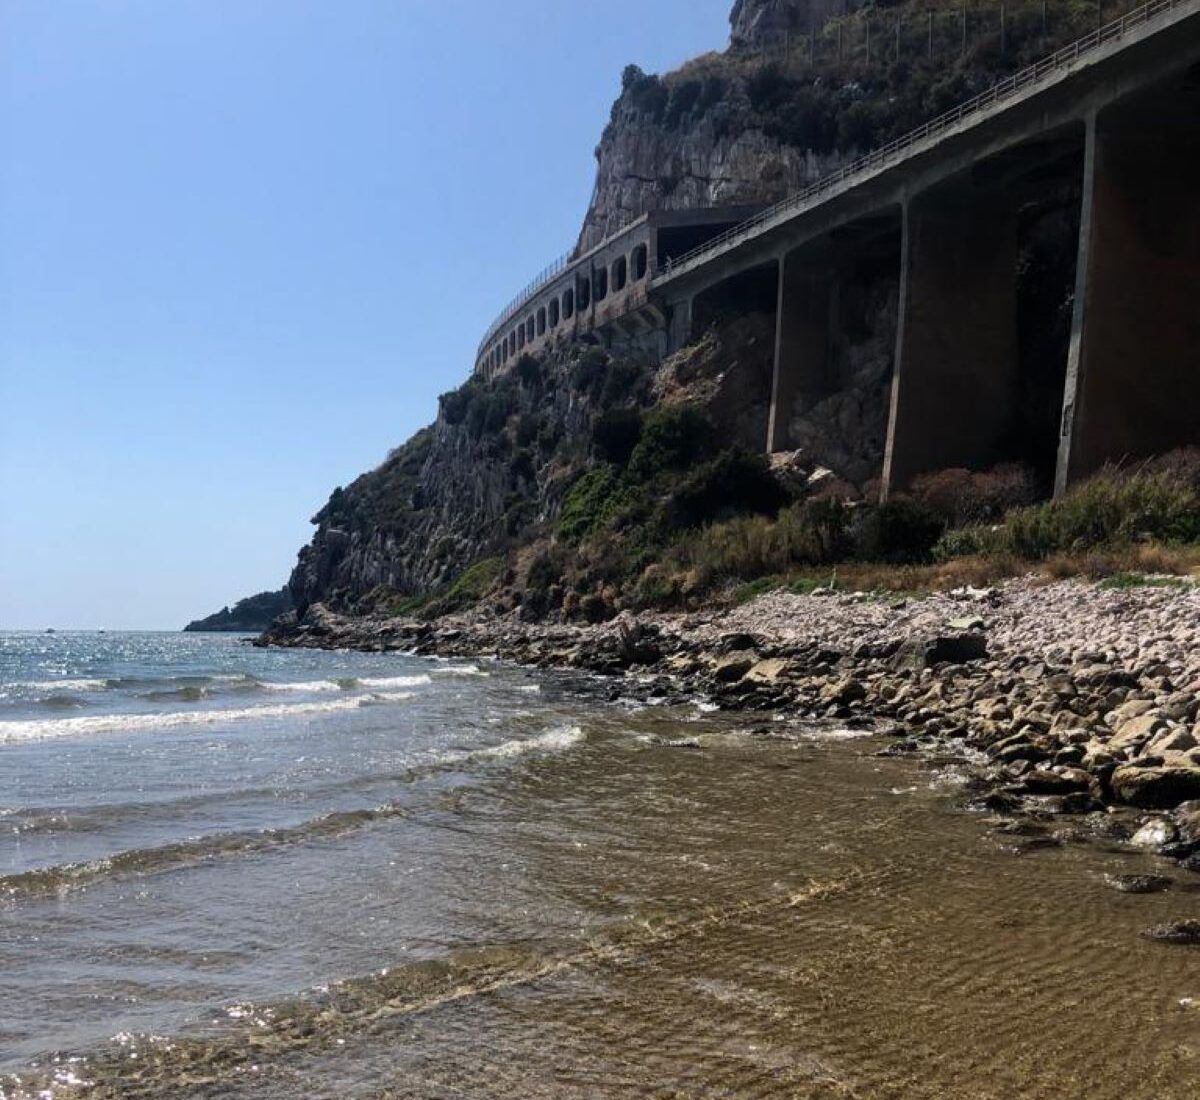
(583, 296)
(554, 313)
(530, 330)
(568, 305)
(541, 321)
(620, 273)
(601, 279)
(639, 263)
(520, 337)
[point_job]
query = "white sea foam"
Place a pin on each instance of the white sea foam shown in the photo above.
(396, 681)
(50, 729)
(308, 687)
(560, 737)
(60, 685)
(313, 687)
(820, 734)
(462, 670)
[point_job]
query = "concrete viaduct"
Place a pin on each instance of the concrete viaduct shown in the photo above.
(1114, 119)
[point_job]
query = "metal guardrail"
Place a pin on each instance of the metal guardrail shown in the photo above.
(539, 281)
(544, 276)
(895, 150)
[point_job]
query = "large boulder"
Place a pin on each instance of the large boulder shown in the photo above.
(733, 666)
(952, 649)
(1159, 787)
(1133, 733)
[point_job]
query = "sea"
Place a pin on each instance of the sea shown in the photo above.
(235, 872)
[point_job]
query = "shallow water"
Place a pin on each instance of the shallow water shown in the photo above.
(230, 873)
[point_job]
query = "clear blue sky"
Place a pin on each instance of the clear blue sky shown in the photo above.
(243, 246)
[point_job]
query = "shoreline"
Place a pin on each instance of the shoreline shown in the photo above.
(1081, 702)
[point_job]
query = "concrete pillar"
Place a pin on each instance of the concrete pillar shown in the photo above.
(1133, 376)
(804, 334)
(680, 330)
(956, 383)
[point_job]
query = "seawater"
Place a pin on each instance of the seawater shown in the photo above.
(231, 872)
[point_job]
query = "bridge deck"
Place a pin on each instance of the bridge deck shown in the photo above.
(868, 172)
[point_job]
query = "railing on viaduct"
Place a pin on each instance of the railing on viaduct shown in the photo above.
(1057, 63)
(1009, 87)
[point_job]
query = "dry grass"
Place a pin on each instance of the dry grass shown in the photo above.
(981, 571)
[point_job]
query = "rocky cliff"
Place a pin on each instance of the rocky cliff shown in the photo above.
(516, 471)
(495, 463)
(798, 92)
(767, 24)
(698, 137)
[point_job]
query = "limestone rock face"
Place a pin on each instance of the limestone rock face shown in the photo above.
(762, 24)
(644, 165)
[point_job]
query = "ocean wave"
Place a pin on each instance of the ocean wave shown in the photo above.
(345, 683)
(461, 670)
(396, 681)
(189, 694)
(186, 853)
(58, 685)
(308, 687)
(172, 857)
(62, 702)
(561, 737)
(49, 729)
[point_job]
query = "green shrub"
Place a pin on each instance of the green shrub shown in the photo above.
(1115, 508)
(901, 531)
(474, 583)
(529, 372)
(592, 499)
(750, 547)
(615, 433)
(1110, 508)
(589, 371)
(488, 412)
(522, 464)
(734, 482)
(659, 587)
(673, 438)
(816, 531)
(528, 428)
(457, 403)
(548, 437)
(973, 541)
(623, 380)
(646, 93)
(1182, 466)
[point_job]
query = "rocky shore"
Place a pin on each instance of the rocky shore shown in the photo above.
(1076, 703)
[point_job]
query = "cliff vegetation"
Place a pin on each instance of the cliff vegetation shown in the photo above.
(584, 482)
(252, 614)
